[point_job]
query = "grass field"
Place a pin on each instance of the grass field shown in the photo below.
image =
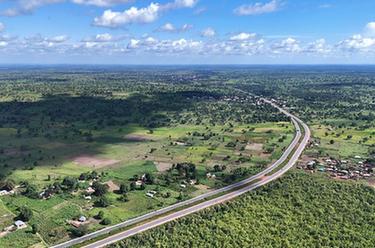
(135, 151)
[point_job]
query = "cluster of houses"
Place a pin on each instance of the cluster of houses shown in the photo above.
(190, 182)
(343, 169)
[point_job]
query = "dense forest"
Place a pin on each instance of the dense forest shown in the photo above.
(298, 210)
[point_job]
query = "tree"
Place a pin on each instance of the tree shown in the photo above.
(31, 192)
(25, 213)
(102, 202)
(100, 189)
(70, 183)
(149, 178)
(80, 231)
(106, 221)
(100, 215)
(35, 228)
(123, 198)
(123, 188)
(132, 186)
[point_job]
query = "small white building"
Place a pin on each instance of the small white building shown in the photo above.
(139, 183)
(149, 194)
(19, 224)
(183, 186)
(82, 218)
(5, 192)
(90, 190)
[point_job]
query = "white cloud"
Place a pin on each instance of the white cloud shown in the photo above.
(319, 46)
(133, 44)
(358, 43)
(27, 6)
(370, 29)
(133, 15)
(100, 3)
(243, 36)
(139, 15)
(258, 8)
(208, 32)
(2, 27)
(57, 39)
(169, 27)
(180, 4)
(3, 44)
(288, 45)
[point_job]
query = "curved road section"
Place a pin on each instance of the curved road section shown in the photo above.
(289, 157)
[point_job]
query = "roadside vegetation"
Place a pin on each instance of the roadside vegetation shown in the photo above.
(299, 210)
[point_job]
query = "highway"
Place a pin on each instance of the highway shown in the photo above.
(294, 150)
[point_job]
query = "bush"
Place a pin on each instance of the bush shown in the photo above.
(25, 214)
(106, 221)
(102, 202)
(79, 231)
(100, 215)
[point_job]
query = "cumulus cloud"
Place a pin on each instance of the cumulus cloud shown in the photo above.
(243, 36)
(105, 37)
(258, 8)
(357, 43)
(2, 27)
(169, 27)
(133, 44)
(133, 15)
(208, 32)
(288, 45)
(319, 46)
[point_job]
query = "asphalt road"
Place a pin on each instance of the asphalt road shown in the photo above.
(242, 185)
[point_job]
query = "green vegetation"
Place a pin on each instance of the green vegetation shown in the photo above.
(81, 150)
(298, 210)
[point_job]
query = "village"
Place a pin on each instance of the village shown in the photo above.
(355, 168)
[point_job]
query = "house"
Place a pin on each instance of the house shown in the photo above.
(192, 182)
(82, 218)
(4, 192)
(20, 224)
(87, 197)
(357, 157)
(149, 194)
(139, 183)
(183, 186)
(90, 190)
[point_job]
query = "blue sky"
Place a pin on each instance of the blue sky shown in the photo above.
(187, 31)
